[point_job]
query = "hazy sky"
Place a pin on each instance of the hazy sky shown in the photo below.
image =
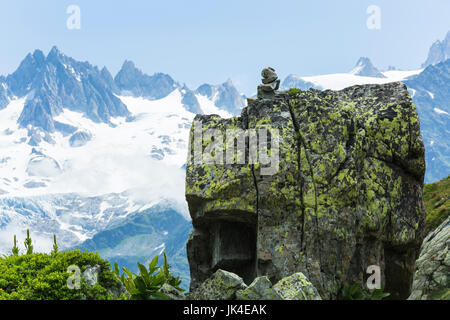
(209, 41)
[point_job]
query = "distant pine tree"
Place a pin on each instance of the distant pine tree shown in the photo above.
(55, 245)
(15, 248)
(28, 243)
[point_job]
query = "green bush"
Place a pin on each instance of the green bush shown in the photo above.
(41, 276)
(15, 248)
(28, 243)
(146, 284)
(294, 91)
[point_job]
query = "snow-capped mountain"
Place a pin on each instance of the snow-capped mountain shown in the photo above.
(56, 83)
(132, 81)
(429, 89)
(224, 96)
(439, 52)
(339, 81)
(82, 151)
(364, 73)
(365, 68)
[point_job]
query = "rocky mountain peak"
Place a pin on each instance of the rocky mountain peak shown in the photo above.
(57, 82)
(20, 81)
(225, 96)
(439, 51)
(128, 70)
(365, 68)
(132, 81)
(54, 53)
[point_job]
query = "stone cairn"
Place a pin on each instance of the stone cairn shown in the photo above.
(270, 83)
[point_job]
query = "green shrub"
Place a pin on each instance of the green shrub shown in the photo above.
(41, 276)
(146, 284)
(28, 243)
(15, 248)
(55, 245)
(294, 91)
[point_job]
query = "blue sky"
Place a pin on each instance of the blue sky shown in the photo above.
(200, 41)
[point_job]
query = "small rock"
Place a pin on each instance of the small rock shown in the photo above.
(296, 287)
(91, 274)
(171, 292)
(431, 278)
(79, 139)
(222, 285)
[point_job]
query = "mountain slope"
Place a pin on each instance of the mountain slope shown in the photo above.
(72, 217)
(436, 197)
(430, 91)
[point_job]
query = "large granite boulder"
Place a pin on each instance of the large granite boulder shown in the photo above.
(339, 190)
(432, 277)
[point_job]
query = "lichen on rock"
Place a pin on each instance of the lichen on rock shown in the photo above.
(171, 292)
(222, 285)
(431, 279)
(296, 287)
(347, 193)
